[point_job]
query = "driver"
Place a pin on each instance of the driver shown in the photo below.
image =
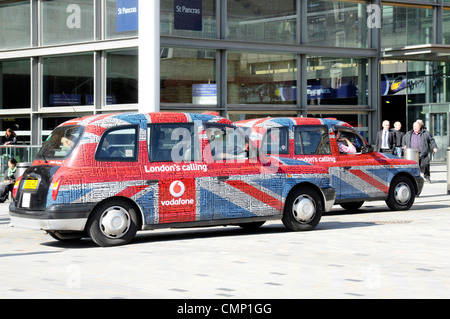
(348, 147)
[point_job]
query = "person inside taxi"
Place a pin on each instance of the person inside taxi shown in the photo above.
(344, 144)
(8, 183)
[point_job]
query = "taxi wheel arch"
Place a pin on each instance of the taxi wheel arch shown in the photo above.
(113, 222)
(402, 193)
(308, 199)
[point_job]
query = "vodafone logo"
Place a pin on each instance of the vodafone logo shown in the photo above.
(177, 188)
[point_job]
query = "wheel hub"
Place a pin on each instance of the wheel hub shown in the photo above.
(402, 193)
(303, 209)
(115, 222)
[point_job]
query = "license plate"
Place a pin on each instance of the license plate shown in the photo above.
(30, 184)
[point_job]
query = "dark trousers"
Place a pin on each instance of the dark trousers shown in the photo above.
(424, 163)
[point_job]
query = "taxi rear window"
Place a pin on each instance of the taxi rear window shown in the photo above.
(61, 142)
(119, 144)
(171, 142)
(311, 140)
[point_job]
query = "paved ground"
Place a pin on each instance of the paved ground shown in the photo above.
(375, 253)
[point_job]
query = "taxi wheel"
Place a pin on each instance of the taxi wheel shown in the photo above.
(401, 194)
(303, 210)
(113, 223)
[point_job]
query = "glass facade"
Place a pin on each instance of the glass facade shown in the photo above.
(67, 21)
(337, 23)
(261, 78)
(15, 25)
(240, 58)
(262, 21)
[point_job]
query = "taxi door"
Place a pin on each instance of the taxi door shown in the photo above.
(361, 175)
(174, 171)
(235, 187)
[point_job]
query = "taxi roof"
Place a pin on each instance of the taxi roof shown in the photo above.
(290, 121)
(115, 119)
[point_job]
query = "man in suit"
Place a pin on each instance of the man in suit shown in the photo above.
(385, 139)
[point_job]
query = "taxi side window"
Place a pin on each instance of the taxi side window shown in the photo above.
(311, 140)
(226, 142)
(276, 141)
(118, 145)
(172, 142)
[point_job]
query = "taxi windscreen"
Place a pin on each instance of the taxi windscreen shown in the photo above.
(61, 142)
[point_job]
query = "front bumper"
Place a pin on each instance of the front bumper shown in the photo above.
(71, 217)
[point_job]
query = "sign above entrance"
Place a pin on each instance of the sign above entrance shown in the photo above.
(127, 15)
(188, 15)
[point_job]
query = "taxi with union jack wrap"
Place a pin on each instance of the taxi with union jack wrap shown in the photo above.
(358, 173)
(107, 176)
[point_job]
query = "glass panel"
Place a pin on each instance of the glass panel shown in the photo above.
(171, 142)
(262, 78)
(188, 76)
(61, 142)
(193, 19)
(67, 21)
(121, 19)
(337, 81)
(15, 25)
(276, 141)
(118, 145)
(446, 26)
(428, 82)
(402, 26)
(122, 77)
(50, 123)
(15, 84)
(262, 21)
(340, 24)
(68, 80)
(20, 125)
(225, 142)
(312, 140)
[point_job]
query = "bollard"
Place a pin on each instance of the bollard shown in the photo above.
(448, 170)
(412, 154)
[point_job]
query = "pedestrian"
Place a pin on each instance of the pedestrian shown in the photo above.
(385, 139)
(7, 185)
(10, 137)
(398, 138)
(420, 138)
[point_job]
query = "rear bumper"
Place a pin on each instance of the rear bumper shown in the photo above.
(71, 217)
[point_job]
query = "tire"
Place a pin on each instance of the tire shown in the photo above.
(310, 204)
(401, 194)
(352, 206)
(113, 223)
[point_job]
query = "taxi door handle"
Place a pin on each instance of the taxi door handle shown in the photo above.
(222, 178)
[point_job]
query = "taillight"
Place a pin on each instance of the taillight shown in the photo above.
(55, 188)
(16, 186)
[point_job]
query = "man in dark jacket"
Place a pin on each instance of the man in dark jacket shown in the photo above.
(398, 138)
(421, 139)
(385, 139)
